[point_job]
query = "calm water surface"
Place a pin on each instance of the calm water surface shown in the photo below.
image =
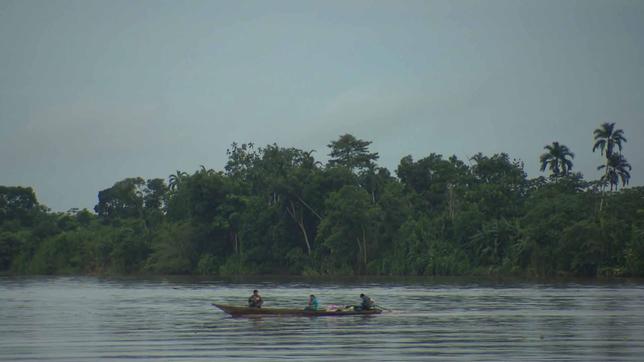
(87, 318)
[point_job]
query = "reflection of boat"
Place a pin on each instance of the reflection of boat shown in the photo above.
(246, 311)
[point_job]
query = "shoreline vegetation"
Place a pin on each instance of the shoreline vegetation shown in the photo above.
(278, 211)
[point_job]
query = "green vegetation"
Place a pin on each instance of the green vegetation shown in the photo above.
(275, 210)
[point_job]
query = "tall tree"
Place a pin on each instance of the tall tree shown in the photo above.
(557, 158)
(123, 200)
(288, 174)
(438, 181)
(352, 153)
(500, 185)
(607, 137)
(349, 227)
(175, 180)
(241, 159)
(616, 168)
(155, 194)
(17, 203)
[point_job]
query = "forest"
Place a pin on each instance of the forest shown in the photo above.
(278, 211)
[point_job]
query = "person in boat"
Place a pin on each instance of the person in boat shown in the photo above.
(367, 303)
(255, 300)
(312, 304)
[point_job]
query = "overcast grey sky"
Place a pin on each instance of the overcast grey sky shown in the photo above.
(92, 92)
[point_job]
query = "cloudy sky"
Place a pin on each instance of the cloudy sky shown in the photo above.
(92, 92)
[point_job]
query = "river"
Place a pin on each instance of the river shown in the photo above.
(171, 319)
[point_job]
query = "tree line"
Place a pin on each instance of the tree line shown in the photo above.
(277, 210)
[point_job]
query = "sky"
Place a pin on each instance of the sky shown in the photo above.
(92, 92)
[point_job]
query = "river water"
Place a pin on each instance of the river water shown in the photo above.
(88, 318)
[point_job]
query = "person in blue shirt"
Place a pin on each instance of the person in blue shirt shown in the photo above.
(312, 304)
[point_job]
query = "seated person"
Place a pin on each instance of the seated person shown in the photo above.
(367, 303)
(255, 300)
(312, 304)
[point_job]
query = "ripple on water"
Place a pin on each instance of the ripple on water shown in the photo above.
(91, 318)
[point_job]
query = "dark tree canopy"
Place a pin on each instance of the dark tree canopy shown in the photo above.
(352, 153)
(17, 203)
(124, 199)
(278, 210)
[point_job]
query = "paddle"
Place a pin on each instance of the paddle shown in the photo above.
(383, 308)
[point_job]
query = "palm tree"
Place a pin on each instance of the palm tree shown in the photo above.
(616, 168)
(175, 180)
(557, 159)
(607, 137)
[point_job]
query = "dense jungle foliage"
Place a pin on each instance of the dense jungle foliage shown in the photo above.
(275, 210)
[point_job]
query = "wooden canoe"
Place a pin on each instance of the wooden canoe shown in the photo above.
(236, 311)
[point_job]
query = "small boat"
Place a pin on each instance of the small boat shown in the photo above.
(236, 311)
